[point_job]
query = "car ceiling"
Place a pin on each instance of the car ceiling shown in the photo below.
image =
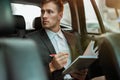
(33, 2)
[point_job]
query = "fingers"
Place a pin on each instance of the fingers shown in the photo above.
(61, 54)
(60, 60)
(80, 75)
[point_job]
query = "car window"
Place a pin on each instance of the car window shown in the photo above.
(29, 12)
(92, 24)
(110, 16)
(66, 20)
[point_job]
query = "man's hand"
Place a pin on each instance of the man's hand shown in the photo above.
(79, 75)
(59, 61)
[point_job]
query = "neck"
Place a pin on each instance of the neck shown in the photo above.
(55, 29)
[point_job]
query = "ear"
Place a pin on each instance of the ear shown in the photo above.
(60, 15)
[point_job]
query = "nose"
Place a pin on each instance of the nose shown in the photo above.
(44, 15)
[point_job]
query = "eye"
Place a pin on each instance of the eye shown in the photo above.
(42, 11)
(50, 11)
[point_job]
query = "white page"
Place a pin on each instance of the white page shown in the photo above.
(90, 50)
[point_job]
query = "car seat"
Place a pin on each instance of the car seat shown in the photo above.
(109, 56)
(20, 60)
(19, 25)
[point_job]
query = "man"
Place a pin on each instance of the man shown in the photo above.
(57, 48)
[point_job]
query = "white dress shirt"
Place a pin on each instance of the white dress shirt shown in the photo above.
(60, 44)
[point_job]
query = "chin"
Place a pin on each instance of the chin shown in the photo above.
(46, 27)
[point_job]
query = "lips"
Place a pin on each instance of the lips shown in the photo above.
(44, 22)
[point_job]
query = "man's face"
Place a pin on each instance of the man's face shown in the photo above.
(50, 17)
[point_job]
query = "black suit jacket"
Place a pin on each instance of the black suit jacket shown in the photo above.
(46, 48)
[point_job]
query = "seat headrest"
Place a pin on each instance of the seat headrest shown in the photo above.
(19, 22)
(6, 18)
(19, 26)
(113, 3)
(37, 23)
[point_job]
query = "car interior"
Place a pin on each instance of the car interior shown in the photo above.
(16, 56)
(109, 56)
(20, 60)
(109, 52)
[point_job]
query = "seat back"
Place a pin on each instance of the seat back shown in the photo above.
(110, 56)
(17, 29)
(20, 60)
(3, 70)
(19, 25)
(37, 23)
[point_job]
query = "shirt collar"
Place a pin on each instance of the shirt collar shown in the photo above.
(60, 34)
(51, 34)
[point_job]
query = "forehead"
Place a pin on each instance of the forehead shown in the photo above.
(49, 5)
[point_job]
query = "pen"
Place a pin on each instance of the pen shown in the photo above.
(52, 55)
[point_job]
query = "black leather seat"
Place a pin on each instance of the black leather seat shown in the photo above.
(37, 23)
(18, 28)
(19, 25)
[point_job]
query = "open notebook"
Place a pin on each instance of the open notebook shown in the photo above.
(83, 61)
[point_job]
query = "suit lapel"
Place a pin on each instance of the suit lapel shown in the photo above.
(47, 41)
(71, 43)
